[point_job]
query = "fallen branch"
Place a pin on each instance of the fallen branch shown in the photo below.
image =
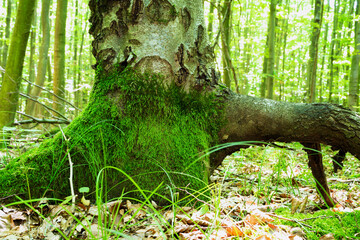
(46, 90)
(47, 107)
(40, 120)
(289, 219)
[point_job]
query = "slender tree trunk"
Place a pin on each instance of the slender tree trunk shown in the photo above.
(314, 49)
(246, 55)
(263, 83)
(79, 97)
(7, 32)
(9, 92)
(347, 53)
(332, 48)
(76, 67)
(211, 19)
(325, 44)
(225, 41)
(59, 54)
(32, 53)
(271, 58)
(43, 56)
(284, 57)
(353, 99)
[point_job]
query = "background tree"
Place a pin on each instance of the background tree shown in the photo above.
(7, 33)
(354, 77)
(9, 92)
(314, 49)
(59, 55)
(43, 56)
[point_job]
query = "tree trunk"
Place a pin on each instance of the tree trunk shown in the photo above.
(225, 41)
(43, 56)
(160, 135)
(59, 55)
(9, 92)
(354, 77)
(76, 67)
(7, 33)
(271, 47)
(211, 19)
(325, 44)
(32, 51)
(314, 49)
(332, 48)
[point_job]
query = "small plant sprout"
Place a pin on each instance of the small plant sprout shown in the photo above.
(83, 200)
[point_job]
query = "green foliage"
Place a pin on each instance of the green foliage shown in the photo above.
(342, 225)
(134, 123)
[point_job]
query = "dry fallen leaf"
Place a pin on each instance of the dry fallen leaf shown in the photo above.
(258, 217)
(234, 231)
(263, 237)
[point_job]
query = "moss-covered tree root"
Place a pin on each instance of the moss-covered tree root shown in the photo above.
(132, 122)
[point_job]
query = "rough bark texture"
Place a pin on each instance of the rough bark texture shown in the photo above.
(254, 119)
(157, 36)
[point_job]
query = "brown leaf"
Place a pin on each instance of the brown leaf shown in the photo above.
(258, 217)
(234, 231)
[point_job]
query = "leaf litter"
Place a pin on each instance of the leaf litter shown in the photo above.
(241, 209)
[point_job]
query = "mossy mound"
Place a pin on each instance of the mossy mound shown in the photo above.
(153, 133)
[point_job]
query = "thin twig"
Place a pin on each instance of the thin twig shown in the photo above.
(71, 168)
(306, 219)
(39, 120)
(289, 219)
(58, 97)
(47, 107)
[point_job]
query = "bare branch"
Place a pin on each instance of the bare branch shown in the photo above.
(62, 99)
(40, 120)
(47, 107)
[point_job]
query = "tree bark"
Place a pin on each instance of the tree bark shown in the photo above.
(43, 56)
(225, 40)
(59, 54)
(9, 92)
(314, 49)
(332, 48)
(264, 120)
(271, 47)
(354, 77)
(7, 33)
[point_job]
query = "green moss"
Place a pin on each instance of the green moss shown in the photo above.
(342, 225)
(134, 123)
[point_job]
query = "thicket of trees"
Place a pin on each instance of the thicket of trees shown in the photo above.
(280, 49)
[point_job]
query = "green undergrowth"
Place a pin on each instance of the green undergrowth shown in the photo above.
(134, 123)
(343, 225)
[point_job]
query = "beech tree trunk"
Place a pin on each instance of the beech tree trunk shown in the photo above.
(59, 54)
(314, 49)
(353, 98)
(9, 92)
(43, 57)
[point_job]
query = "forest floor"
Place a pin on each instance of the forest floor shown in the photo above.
(259, 193)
